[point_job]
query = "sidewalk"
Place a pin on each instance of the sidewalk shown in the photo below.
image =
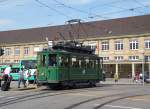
(122, 81)
(14, 86)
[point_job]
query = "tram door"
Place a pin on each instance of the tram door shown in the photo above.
(63, 60)
(42, 67)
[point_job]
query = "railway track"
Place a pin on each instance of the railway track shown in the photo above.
(4, 101)
(114, 98)
(103, 100)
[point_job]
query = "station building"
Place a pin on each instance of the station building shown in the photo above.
(124, 43)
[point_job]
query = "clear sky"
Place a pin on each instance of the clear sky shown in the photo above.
(21, 14)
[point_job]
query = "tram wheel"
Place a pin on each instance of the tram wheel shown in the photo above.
(55, 86)
(92, 83)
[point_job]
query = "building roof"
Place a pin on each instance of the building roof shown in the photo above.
(114, 27)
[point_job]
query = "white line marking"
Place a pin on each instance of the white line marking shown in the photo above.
(96, 104)
(11, 97)
(122, 107)
(138, 99)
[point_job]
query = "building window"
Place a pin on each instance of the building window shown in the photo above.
(147, 44)
(118, 45)
(105, 58)
(17, 51)
(118, 58)
(147, 58)
(134, 45)
(132, 58)
(7, 61)
(36, 49)
(16, 61)
(26, 50)
(105, 45)
(7, 51)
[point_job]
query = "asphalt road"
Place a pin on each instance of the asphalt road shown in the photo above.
(102, 97)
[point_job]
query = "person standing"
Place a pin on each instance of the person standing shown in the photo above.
(7, 79)
(116, 77)
(7, 70)
(1, 77)
(21, 77)
(35, 76)
(104, 75)
(27, 75)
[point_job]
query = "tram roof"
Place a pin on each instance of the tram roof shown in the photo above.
(106, 28)
(66, 52)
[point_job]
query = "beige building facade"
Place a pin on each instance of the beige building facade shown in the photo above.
(126, 55)
(124, 44)
(13, 53)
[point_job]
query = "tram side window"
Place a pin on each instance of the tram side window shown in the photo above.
(52, 60)
(64, 61)
(75, 62)
(80, 63)
(91, 63)
(87, 62)
(83, 62)
(100, 63)
(15, 70)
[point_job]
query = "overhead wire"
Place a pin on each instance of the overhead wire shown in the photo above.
(138, 2)
(130, 9)
(53, 9)
(76, 9)
(101, 5)
(141, 4)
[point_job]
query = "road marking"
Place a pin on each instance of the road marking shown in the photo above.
(138, 99)
(80, 94)
(96, 104)
(11, 97)
(122, 107)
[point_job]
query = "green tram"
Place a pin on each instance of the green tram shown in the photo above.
(59, 67)
(29, 63)
(14, 73)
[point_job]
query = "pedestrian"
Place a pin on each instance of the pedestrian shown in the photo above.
(104, 75)
(1, 77)
(116, 77)
(137, 77)
(27, 75)
(21, 77)
(7, 79)
(35, 76)
(7, 70)
(111, 74)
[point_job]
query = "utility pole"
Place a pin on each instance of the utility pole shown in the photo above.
(143, 67)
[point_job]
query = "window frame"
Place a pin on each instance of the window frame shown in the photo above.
(17, 51)
(147, 43)
(105, 45)
(26, 50)
(134, 44)
(119, 45)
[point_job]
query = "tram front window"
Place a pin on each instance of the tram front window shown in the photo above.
(52, 60)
